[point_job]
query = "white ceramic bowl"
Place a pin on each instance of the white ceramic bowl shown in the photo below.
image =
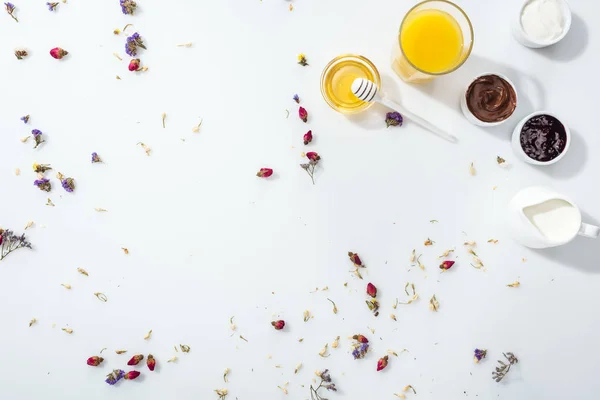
(516, 140)
(527, 41)
(469, 115)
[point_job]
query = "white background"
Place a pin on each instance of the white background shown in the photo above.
(208, 240)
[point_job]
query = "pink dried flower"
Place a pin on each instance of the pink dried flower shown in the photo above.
(355, 259)
(371, 290)
(94, 361)
(313, 156)
(58, 53)
(360, 338)
(134, 65)
(135, 360)
(151, 362)
(446, 265)
(278, 325)
(308, 137)
(303, 114)
(382, 363)
(264, 172)
(131, 375)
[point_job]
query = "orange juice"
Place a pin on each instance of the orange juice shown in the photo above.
(432, 41)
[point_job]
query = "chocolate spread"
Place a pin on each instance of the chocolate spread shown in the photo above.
(491, 98)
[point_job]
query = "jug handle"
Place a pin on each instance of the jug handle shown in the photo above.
(587, 230)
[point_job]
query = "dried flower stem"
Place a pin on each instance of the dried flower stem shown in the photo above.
(503, 368)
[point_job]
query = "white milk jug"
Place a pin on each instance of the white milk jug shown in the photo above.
(539, 218)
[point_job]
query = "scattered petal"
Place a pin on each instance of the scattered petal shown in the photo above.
(307, 315)
(515, 284)
(225, 373)
(222, 393)
(196, 129)
(82, 271)
(120, 351)
(146, 148)
(98, 209)
(68, 330)
(433, 303)
(185, 348)
(472, 170)
(336, 342)
(297, 368)
(264, 172)
(392, 316)
(172, 359)
(323, 352)
(500, 160)
(28, 225)
(429, 242)
(335, 309)
(125, 250)
(493, 241)
(189, 44)
(66, 285)
(101, 296)
(33, 321)
(148, 335)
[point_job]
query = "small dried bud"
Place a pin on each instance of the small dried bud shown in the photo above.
(371, 290)
(360, 338)
(135, 360)
(151, 362)
(264, 172)
(134, 65)
(308, 137)
(313, 156)
(94, 361)
(131, 375)
(382, 363)
(58, 53)
(303, 114)
(355, 259)
(278, 325)
(446, 265)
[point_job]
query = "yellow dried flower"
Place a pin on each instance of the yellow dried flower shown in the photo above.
(222, 393)
(118, 56)
(196, 129)
(146, 148)
(400, 395)
(66, 285)
(307, 315)
(297, 368)
(433, 303)
(172, 359)
(68, 330)
(323, 351)
(283, 388)
(33, 321)
(336, 343)
(409, 387)
(392, 316)
(515, 284)
(185, 348)
(225, 373)
(101, 296)
(446, 253)
(120, 351)
(413, 256)
(82, 271)
(429, 242)
(335, 309)
(148, 335)
(117, 31)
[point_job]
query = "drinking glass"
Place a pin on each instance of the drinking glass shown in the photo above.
(435, 38)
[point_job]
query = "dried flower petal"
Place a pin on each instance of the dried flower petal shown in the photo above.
(101, 296)
(446, 253)
(306, 315)
(264, 172)
(222, 393)
(148, 335)
(17, 171)
(515, 284)
(188, 44)
(98, 209)
(49, 202)
(172, 359)
(413, 256)
(33, 321)
(297, 368)
(21, 54)
(115, 376)
(472, 170)
(479, 355)
(94, 361)
(302, 59)
(28, 225)
(335, 309)
(225, 373)
(231, 324)
(68, 330)
(296, 98)
(196, 129)
(500, 160)
(392, 316)
(278, 325)
(120, 351)
(66, 285)
(355, 259)
(393, 119)
(185, 348)
(82, 271)
(125, 250)
(429, 242)
(336, 342)
(146, 148)
(382, 363)
(493, 241)
(323, 352)
(433, 303)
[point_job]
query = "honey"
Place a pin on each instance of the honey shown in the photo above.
(337, 79)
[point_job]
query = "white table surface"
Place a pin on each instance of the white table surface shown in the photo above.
(208, 240)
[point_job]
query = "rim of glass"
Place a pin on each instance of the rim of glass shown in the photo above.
(470, 29)
(328, 67)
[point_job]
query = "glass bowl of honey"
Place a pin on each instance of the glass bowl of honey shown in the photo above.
(337, 79)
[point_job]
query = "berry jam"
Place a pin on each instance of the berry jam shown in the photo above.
(543, 138)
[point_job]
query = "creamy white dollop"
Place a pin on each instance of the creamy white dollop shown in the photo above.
(543, 20)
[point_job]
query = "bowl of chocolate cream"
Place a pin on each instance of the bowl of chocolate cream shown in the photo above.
(490, 100)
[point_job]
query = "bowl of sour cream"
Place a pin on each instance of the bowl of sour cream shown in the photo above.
(542, 23)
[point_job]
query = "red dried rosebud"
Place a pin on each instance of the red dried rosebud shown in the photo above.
(382, 363)
(94, 361)
(58, 53)
(135, 360)
(308, 137)
(303, 114)
(279, 325)
(264, 172)
(355, 259)
(371, 290)
(151, 362)
(131, 375)
(360, 338)
(313, 156)
(134, 65)
(446, 265)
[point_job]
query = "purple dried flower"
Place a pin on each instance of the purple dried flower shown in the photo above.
(37, 137)
(43, 184)
(115, 376)
(25, 119)
(52, 6)
(296, 98)
(133, 42)
(68, 184)
(96, 158)
(10, 242)
(10, 9)
(360, 351)
(393, 119)
(480, 355)
(128, 6)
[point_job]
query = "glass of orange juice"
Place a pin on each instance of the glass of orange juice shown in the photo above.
(435, 38)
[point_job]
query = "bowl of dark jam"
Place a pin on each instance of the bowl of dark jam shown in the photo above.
(541, 138)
